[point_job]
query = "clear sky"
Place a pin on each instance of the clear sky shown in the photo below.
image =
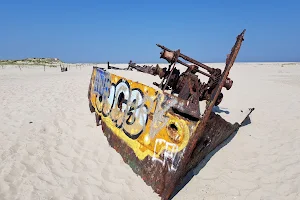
(123, 30)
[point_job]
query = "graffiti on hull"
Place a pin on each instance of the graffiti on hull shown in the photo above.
(141, 117)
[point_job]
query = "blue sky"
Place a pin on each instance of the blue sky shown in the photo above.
(119, 31)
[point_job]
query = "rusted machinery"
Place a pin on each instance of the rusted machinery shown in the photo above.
(160, 135)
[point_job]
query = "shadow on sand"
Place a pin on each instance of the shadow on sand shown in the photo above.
(202, 164)
(217, 109)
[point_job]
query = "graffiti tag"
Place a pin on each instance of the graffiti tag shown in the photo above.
(171, 157)
(124, 105)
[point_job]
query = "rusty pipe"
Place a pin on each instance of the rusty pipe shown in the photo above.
(228, 82)
(188, 59)
(201, 72)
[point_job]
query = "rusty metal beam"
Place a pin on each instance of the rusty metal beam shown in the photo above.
(199, 71)
(187, 58)
(177, 53)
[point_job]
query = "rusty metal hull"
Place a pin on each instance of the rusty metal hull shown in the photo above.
(157, 175)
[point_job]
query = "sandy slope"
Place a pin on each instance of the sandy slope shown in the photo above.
(50, 147)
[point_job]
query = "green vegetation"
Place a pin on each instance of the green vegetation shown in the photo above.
(33, 61)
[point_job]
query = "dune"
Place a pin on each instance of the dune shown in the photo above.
(51, 148)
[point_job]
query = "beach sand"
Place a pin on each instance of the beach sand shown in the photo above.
(50, 147)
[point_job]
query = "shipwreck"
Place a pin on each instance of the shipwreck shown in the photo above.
(159, 131)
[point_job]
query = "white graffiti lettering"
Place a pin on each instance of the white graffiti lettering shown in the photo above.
(122, 98)
(136, 115)
(170, 157)
(126, 106)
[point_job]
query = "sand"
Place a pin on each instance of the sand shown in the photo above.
(50, 147)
